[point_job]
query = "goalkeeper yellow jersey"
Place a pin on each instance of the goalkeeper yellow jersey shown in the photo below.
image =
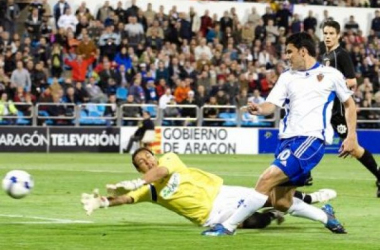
(189, 192)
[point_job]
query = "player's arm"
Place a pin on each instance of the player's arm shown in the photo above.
(265, 108)
(276, 98)
(348, 69)
(350, 142)
(351, 83)
(119, 200)
(154, 174)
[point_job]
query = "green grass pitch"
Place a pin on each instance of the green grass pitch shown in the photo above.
(52, 217)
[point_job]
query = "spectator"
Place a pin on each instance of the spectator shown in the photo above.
(121, 76)
(12, 13)
(154, 41)
(21, 77)
(149, 13)
(95, 93)
(131, 112)
(134, 32)
(166, 99)
(120, 12)
(83, 11)
(260, 31)
(310, 22)
(256, 98)
(296, 24)
(57, 110)
(132, 10)
(104, 12)
(82, 25)
(253, 17)
(189, 112)
(6, 43)
(67, 21)
(86, 48)
(375, 24)
(7, 109)
(181, 91)
(80, 67)
(111, 109)
(106, 74)
(137, 91)
(206, 23)
(225, 21)
(283, 16)
(33, 25)
(39, 79)
(351, 25)
(70, 97)
(81, 93)
(211, 113)
(60, 9)
(269, 15)
(202, 48)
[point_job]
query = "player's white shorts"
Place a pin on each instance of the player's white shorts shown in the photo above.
(226, 202)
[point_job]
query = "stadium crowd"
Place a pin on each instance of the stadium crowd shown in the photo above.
(127, 54)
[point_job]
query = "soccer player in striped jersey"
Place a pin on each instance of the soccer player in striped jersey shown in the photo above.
(307, 90)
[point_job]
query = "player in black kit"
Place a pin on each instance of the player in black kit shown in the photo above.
(337, 57)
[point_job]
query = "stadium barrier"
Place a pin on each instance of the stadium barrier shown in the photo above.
(95, 114)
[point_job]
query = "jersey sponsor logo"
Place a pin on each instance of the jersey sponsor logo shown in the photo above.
(320, 77)
(341, 129)
(171, 187)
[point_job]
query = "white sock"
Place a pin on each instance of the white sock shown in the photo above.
(251, 203)
(304, 210)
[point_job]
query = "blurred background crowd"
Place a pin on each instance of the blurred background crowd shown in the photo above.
(129, 54)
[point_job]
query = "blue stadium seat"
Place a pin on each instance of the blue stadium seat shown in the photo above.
(257, 123)
(21, 120)
(230, 119)
(121, 93)
(152, 111)
(83, 120)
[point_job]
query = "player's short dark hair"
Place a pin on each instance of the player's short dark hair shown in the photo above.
(333, 24)
(136, 153)
(304, 40)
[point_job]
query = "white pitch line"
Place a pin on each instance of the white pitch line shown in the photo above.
(228, 174)
(48, 220)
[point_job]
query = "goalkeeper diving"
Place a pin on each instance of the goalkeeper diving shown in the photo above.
(197, 195)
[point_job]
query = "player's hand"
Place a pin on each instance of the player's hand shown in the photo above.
(93, 201)
(130, 185)
(348, 146)
(254, 109)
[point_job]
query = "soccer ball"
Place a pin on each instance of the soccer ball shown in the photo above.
(18, 184)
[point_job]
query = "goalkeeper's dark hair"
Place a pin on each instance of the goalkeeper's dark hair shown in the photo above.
(302, 40)
(138, 151)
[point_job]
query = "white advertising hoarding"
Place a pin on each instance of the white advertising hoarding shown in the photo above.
(200, 140)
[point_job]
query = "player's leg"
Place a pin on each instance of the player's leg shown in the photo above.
(260, 220)
(368, 161)
(322, 195)
(283, 200)
(229, 199)
(361, 154)
(256, 199)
